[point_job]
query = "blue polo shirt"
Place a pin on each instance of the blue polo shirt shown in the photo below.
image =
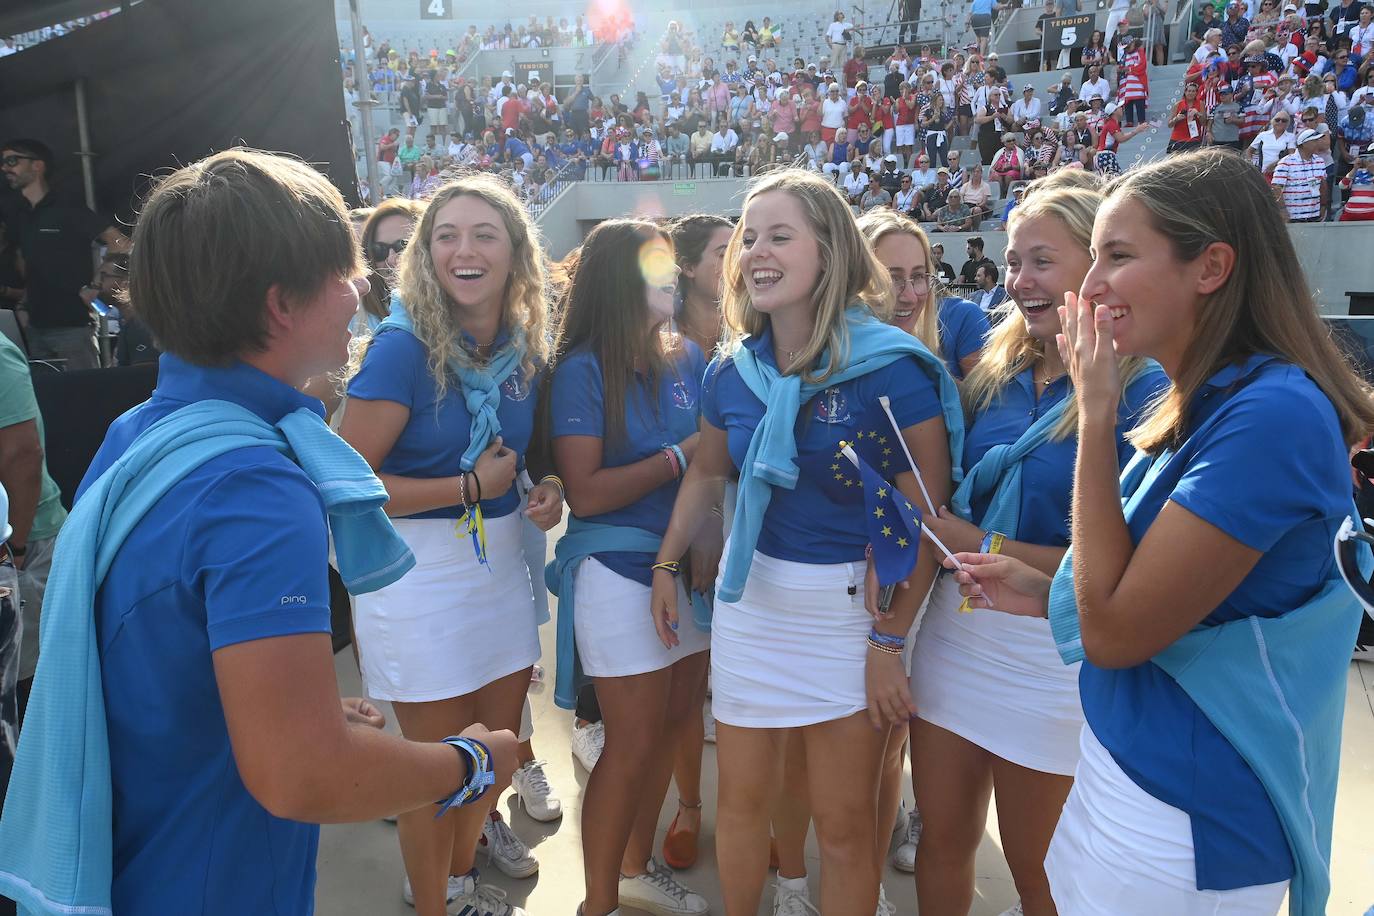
(1272, 473)
(234, 552)
(1047, 472)
(653, 421)
(807, 524)
(438, 432)
(963, 328)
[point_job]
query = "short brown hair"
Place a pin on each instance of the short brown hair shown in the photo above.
(215, 236)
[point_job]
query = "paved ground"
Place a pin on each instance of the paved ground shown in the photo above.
(360, 864)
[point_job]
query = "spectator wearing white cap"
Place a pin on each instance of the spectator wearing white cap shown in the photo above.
(1299, 181)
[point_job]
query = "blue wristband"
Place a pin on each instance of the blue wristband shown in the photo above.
(886, 639)
(681, 461)
(480, 775)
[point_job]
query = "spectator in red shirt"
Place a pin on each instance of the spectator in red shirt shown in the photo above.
(855, 69)
(860, 110)
(512, 109)
(1188, 121)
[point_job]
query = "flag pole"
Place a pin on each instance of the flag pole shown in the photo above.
(848, 451)
(930, 504)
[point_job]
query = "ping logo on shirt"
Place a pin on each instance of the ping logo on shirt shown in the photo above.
(294, 599)
(516, 387)
(832, 407)
(682, 396)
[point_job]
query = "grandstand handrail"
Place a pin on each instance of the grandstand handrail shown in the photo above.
(947, 22)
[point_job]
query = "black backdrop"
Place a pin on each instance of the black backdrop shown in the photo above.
(170, 81)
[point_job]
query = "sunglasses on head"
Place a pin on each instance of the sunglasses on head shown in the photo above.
(380, 251)
(13, 159)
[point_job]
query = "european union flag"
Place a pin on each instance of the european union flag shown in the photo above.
(857, 473)
(894, 524)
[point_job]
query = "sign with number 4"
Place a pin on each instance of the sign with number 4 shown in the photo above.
(436, 9)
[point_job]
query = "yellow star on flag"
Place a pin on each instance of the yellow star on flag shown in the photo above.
(902, 542)
(878, 512)
(887, 532)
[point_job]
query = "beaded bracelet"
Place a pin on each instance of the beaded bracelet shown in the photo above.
(463, 490)
(672, 567)
(890, 650)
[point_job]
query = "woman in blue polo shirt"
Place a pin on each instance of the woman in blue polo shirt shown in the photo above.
(792, 646)
(964, 328)
(624, 406)
(1201, 586)
(998, 709)
(442, 404)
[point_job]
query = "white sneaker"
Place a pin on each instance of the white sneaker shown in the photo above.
(710, 723)
(587, 744)
(455, 887)
(885, 908)
(478, 900)
(659, 892)
(1015, 910)
(904, 859)
(789, 901)
(505, 850)
(532, 788)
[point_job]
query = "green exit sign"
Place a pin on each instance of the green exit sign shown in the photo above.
(684, 188)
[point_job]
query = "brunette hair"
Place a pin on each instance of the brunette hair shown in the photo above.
(605, 310)
(1265, 306)
(376, 302)
(216, 235)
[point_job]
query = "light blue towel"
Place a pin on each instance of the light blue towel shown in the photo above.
(56, 836)
(1275, 689)
(582, 540)
(1000, 468)
(481, 387)
(771, 459)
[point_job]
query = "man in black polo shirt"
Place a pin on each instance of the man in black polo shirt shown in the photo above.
(55, 239)
(976, 259)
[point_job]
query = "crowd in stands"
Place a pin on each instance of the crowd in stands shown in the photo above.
(1294, 92)
(725, 107)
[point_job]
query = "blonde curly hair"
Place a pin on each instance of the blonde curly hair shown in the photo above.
(524, 309)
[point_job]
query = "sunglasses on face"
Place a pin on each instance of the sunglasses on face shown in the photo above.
(13, 159)
(380, 251)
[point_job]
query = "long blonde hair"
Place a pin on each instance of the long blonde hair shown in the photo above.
(524, 308)
(1265, 305)
(1010, 348)
(849, 274)
(877, 225)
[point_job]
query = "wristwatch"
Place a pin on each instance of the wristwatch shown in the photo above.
(480, 775)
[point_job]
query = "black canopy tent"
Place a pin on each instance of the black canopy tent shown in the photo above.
(166, 82)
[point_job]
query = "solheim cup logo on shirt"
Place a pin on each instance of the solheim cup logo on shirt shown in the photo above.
(516, 387)
(682, 396)
(831, 407)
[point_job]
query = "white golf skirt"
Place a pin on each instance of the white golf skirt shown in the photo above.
(1120, 850)
(615, 631)
(906, 135)
(450, 625)
(996, 680)
(793, 649)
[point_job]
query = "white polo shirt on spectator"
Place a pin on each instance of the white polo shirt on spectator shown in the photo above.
(724, 143)
(856, 183)
(834, 33)
(1301, 180)
(1021, 110)
(1272, 147)
(1090, 88)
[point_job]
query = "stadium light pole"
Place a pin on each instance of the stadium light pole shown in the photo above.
(365, 102)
